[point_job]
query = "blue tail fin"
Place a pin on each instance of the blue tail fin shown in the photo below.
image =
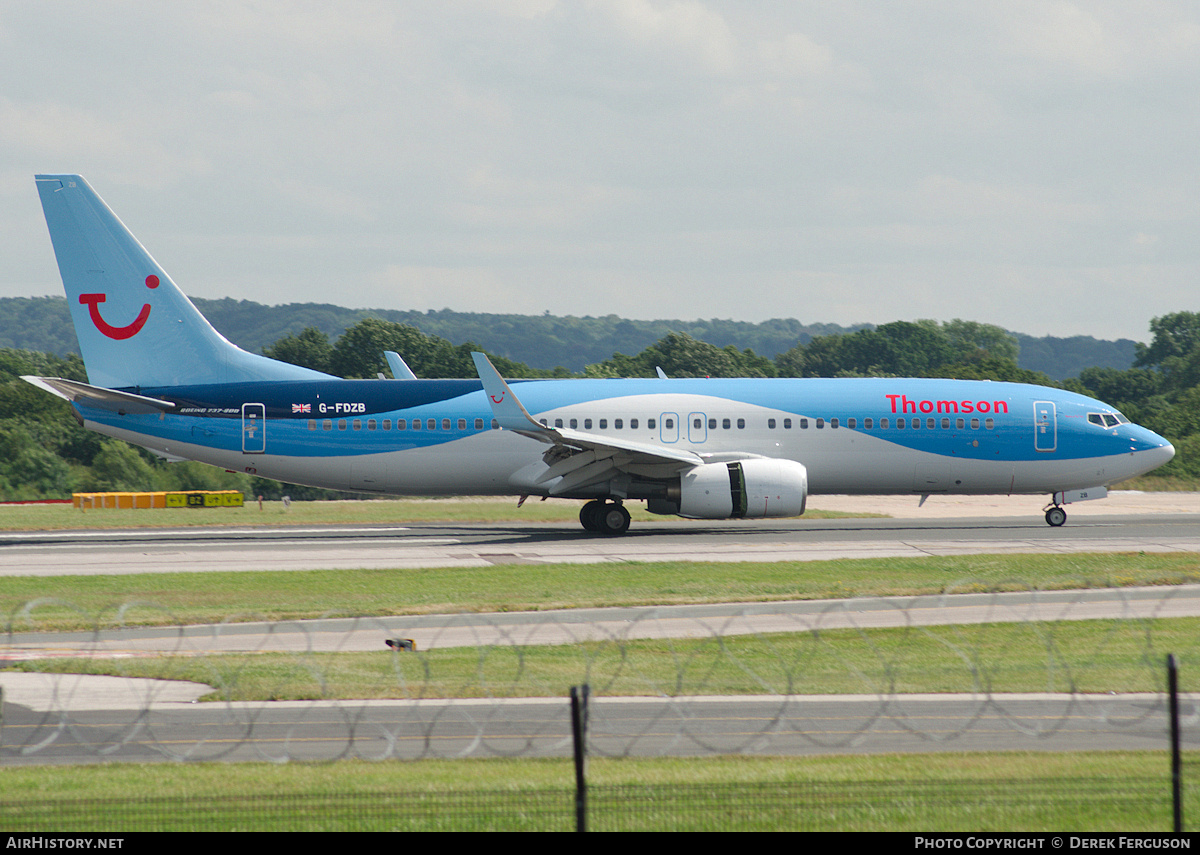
(135, 327)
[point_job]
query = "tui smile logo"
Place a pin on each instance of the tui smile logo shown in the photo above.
(93, 301)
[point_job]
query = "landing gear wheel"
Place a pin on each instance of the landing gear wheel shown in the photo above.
(613, 519)
(589, 515)
(1055, 516)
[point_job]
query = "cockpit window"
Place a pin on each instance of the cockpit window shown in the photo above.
(1096, 419)
(1107, 419)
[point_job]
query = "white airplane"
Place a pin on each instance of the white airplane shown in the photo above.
(163, 378)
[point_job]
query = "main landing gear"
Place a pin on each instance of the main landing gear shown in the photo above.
(604, 517)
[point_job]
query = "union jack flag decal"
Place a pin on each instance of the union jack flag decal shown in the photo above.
(301, 408)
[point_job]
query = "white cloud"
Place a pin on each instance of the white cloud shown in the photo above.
(838, 162)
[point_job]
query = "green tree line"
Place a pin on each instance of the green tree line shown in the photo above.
(539, 341)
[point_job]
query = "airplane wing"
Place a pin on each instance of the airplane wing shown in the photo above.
(579, 458)
(98, 396)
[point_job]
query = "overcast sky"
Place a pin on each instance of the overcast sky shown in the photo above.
(1027, 164)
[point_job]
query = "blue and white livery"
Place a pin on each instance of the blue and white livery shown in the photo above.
(163, 378)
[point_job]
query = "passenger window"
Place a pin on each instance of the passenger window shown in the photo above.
(633, 424)
(820, 424)
(741, 424)
(618, 424)
(960, 423)
(787, 424)
(416, 424)
(604, 424)
(387, 424)
(574, 424)
(445, 424)
(771, 424)
(867, 423)
(358, 424)
(712, 424)
(725, 424)
(697, 423)
(558, 423)
(479, 424)
(431, 424)
(916, 424)
(587, 424)
(804, 424)
(989, 423)
(884, 423)
(945, 424)
(833, 423)
(372, 424)
(495, 425)
(852, 423)
(901, 424)
(401, 424)
(312, 424)
(341, 424)
(462, 424)
(930, 423)
(650, 423)
(327, 424)
(974, 424)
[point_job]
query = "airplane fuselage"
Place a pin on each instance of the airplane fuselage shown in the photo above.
(436, 437)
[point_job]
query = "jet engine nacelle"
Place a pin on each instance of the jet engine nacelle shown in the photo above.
(761, 487)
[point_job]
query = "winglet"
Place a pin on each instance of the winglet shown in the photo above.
(400, 369)
(508, 411)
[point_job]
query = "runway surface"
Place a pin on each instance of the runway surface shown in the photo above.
(76, 719)
(486, 544)
(380, 730)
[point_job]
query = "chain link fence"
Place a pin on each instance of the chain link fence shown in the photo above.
(1035, 671)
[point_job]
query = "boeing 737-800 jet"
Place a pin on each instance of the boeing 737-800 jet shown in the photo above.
(161, 377)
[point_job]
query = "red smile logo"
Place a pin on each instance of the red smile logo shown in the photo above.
(93, 301)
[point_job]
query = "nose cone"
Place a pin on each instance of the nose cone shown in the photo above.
(1150, 449)
(1161, 455)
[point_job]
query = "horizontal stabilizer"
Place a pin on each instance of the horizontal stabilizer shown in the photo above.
(98, 396)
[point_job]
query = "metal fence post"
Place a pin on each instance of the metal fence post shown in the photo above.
(579, 721)
(1176, 759)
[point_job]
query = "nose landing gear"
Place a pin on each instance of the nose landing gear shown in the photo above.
(1055, 516)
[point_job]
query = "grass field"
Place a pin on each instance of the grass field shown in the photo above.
(1042, 791)
(89, 602)
(1096, 656)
